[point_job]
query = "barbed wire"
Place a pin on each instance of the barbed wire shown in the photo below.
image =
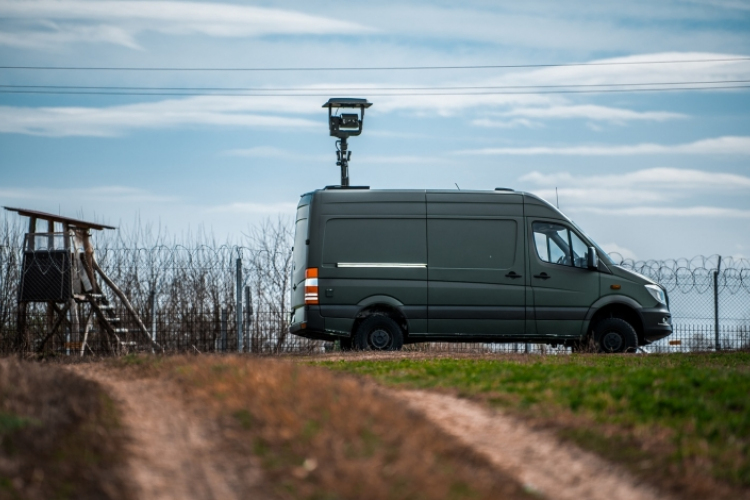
(683, 274)
(696, 274)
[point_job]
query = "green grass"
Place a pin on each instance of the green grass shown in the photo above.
(697, 404)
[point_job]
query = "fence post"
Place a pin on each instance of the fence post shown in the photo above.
(238, 298)
(223, 337)
(249, 312)
(717, 345)
(152, 305)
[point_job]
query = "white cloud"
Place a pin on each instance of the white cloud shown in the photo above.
(44, 22)
(255, 208)
(450, 105)
(646, 211)
(614, 248)
(117, 120)
(515, 123)
(719, 146)
(638, 69)
(724, 4)
(660, 178)
(400, 160)
(611, 27)
(592, 112)
(53, 36)
(602, 196)
(269, 152)
(109, 194)
(649, 192)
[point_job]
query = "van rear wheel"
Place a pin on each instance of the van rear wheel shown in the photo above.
(615, 335)
(378, 333)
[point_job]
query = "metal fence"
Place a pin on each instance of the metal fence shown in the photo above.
(236, 299)
(709, 298)
(203, 299)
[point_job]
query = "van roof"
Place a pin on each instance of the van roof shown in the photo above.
(364, 191)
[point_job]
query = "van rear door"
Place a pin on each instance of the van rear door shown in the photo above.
(299, 259)
(475, 255)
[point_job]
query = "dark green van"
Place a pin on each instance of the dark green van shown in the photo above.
(377, 269)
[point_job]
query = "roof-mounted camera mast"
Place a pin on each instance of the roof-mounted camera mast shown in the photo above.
(345, 125)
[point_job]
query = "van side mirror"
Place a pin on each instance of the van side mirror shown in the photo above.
(592, 258)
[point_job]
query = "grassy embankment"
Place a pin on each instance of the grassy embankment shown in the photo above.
(59, 436)
(681, 422)
(322, 436)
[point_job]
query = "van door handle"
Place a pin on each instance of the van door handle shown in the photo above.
(543, 276)
(512, 275)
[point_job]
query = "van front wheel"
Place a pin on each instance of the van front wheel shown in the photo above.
(378, 333)
(615, 335)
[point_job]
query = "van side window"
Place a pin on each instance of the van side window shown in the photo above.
(557, 244)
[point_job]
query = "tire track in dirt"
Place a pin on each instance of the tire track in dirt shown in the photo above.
(174, 452)
(537, 458)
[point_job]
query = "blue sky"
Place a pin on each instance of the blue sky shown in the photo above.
(651, 175)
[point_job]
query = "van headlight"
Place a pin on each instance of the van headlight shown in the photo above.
(657, 293)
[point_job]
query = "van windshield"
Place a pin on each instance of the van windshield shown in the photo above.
(602, 253)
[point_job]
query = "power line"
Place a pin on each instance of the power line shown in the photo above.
(336, 89)
(374, 68)
(599, 91)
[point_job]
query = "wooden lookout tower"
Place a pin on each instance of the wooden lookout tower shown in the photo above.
(60, 270)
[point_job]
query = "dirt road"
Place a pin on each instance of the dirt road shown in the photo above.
(174, 451)
(535, 457)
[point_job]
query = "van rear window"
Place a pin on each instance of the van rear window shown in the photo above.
(471, 243)
(365, 241)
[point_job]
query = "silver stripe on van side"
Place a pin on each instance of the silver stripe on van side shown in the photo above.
(388, 264)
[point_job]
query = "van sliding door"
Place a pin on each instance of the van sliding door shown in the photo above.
(475, 257)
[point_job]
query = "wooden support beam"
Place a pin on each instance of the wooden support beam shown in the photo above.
(87, 328)
(88, 259)
(50, 236)
(58, 322)
(32, 230)
(22, 334)
(127, 304)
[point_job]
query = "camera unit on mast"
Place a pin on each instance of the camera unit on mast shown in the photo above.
(344, 125)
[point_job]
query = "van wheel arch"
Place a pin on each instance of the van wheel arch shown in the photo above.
(382, 310)
(621, 311)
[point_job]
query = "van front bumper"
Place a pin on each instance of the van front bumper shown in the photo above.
(657, 324)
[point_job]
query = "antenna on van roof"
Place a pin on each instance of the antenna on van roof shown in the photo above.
(456, 183)
(343, 126)
(557, 198)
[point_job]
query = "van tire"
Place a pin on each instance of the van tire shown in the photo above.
(378, 333)
(615, 335)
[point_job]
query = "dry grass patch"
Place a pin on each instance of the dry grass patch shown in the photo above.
(323, 435)
(59, 435)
